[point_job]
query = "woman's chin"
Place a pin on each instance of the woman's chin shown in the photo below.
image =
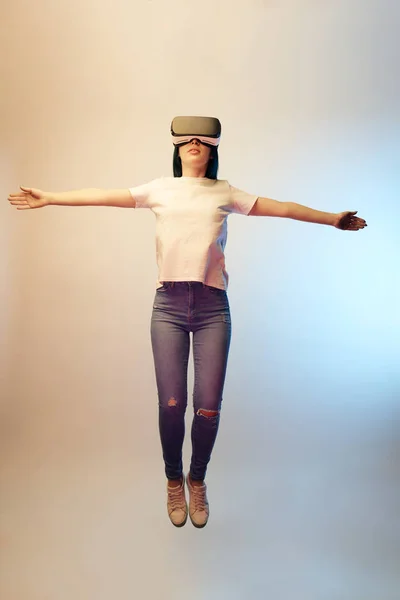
(195, 162)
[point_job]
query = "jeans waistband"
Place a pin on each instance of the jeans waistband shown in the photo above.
(185, 283)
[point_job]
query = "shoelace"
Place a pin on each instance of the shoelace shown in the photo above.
(199, 497)
(176, 498)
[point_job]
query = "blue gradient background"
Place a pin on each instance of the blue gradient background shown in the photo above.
(304, 482)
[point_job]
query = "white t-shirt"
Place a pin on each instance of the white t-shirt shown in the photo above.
(191, 225)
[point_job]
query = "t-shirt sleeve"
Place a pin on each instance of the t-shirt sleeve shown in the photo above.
(241, 202)
(142, 194)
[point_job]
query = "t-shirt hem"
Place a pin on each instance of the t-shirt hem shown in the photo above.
(192, 280)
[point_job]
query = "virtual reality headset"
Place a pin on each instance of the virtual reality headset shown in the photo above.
(205, 129)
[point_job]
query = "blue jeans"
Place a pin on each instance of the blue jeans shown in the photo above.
(181, 308)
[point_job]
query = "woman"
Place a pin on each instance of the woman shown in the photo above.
(191, 209)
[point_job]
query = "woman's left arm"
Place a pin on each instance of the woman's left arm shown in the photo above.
(265, 207)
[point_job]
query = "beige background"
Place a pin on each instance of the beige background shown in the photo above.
(304, 482)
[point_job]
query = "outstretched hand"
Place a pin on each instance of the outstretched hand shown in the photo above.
(29, 198)
(348, 221)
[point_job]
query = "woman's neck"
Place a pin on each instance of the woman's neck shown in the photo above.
(193, 172)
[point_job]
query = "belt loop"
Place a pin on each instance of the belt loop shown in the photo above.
(172, 283)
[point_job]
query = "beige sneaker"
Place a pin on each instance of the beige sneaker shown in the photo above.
(176, 504)
(198, 504)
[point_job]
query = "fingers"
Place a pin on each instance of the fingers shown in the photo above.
(356, 226)
(349, 222)
(19, 203)
(16, 196)
(20, 199)
(20, 195)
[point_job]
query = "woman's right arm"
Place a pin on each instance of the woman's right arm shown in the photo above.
(29, 198)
